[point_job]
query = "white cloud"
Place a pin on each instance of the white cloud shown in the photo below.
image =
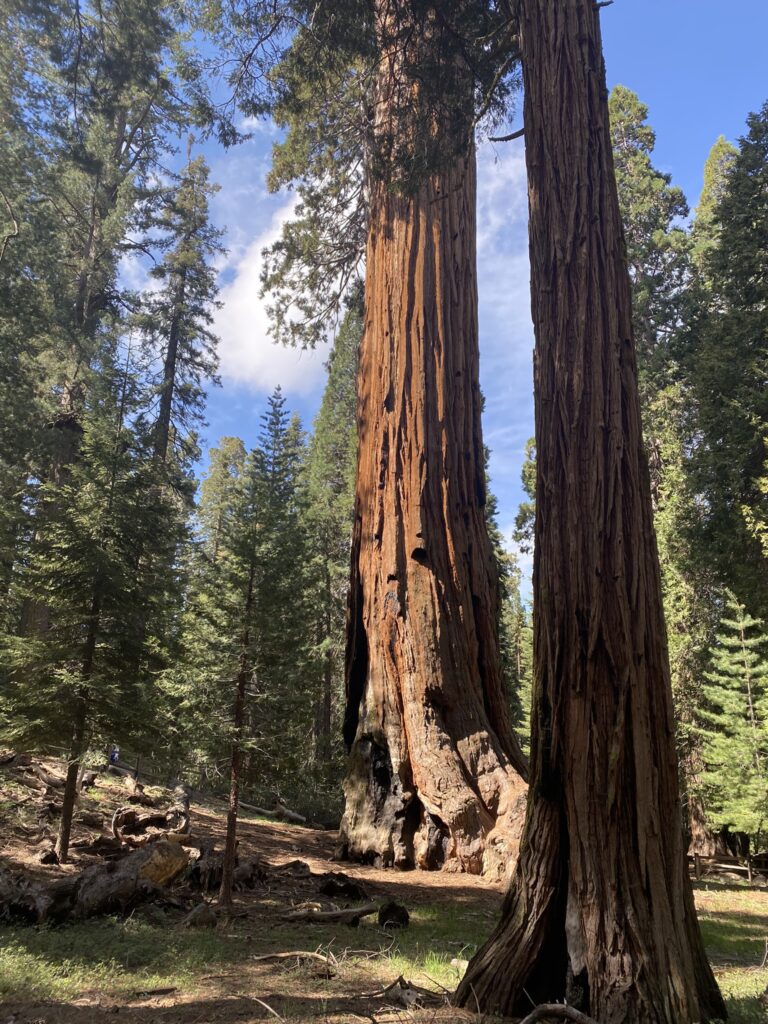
(506, 332)
(248, 355)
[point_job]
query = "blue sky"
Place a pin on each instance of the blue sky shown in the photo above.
(700, 67)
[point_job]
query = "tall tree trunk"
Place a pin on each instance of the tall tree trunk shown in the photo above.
(600, 910)
(435, 776)
(236, 756)
(78, 742)
(163, 426)
(325, 704)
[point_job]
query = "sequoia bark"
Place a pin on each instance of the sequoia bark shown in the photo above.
(436, 774)
(600, 910)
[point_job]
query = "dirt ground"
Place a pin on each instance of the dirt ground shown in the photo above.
(349, 987)
(149, 968)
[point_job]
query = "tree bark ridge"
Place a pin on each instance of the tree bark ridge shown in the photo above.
(436, 773)
(600, 911)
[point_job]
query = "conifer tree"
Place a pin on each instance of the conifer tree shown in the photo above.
(331, 463)
(197, 688)
(282, 707)
(734, 723)
(177, 320)
(71, 683)
(726, 362)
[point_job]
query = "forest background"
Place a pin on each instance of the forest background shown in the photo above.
(127, 616)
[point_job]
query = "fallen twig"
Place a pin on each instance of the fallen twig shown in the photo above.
(298, 954)
(267, 1007)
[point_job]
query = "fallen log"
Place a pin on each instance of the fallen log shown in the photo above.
(102, 846)
(297, 868)
(99, 889)
(31, 782)
(281, 812)
(13, 759)
(351, 916)
(128, 823)
(201, 916)
(53, 781)
(138, 796)
(93, 819)
(337, 884)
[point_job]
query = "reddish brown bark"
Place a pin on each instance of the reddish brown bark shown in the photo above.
(435, 776)
(600, 911)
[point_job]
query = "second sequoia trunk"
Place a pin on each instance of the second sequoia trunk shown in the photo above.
(600, 912)
(435, 777)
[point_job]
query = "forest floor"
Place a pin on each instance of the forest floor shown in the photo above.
(146, 967)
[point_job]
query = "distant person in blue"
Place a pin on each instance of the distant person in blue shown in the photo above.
(114, 755)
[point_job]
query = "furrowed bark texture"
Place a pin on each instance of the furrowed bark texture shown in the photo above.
(435, 774)
(600, 911)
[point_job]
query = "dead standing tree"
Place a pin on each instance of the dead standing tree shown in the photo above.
(600, 911)
(436, 774)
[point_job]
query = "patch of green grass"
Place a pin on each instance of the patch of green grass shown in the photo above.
(741, 989)
(107, 955)
(436, 935)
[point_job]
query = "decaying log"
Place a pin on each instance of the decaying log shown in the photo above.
(115, 886)
(337, 884)
(201, 916)
(280, 812)
(29, 780)
(351, 916)
(93, 819)
(139, 796)
(102, 846)
(53, 781)
(100, 889)
(128, 823)
(12, 759)
(297, 868)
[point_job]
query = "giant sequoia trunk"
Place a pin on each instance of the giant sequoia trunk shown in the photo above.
(435, 774)
(600, 910)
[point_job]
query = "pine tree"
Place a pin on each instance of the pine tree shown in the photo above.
(331, 463)
(71, 683)
(197, 688)
(652, 211)
(282, 707)
(176, 322)
(725, 360)
(734, 723)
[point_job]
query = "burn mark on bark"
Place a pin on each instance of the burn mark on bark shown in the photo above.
(419, 555)
(356, 667)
